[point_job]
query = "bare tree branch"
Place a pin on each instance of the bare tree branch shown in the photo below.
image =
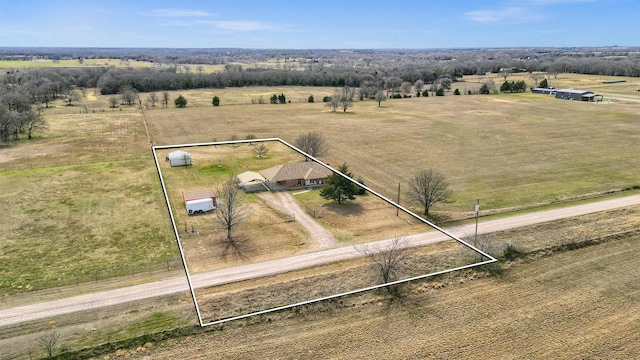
(387, 263)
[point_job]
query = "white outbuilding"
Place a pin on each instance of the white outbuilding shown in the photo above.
(179, 158)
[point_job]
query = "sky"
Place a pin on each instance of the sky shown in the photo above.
(319, 24)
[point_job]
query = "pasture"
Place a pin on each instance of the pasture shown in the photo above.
(509, 150)
(85, 198)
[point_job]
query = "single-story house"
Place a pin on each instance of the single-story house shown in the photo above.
(297, 175)
(179, 158)
(573, 94)
(251, 181)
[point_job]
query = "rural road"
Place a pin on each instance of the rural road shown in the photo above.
(54, 308)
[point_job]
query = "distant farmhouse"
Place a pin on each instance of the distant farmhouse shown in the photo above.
(569, 94)
(582, 95)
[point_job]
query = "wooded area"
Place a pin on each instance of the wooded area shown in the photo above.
(26, 90)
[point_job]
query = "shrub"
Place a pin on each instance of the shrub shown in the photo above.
(440, 92)
(180, 102)
(456, 92)
(425, 93)
(326, 99)
(544, 83)
(216, 101)
(484, 89)
(310, 99)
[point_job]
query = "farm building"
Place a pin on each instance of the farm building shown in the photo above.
(179, 158)
(548, 91)
(251, 181)
(302, 174)
(199, 201)
(573, 94)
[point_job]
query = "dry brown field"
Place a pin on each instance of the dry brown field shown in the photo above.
(581, 303)
(578, 304)
(85, 200)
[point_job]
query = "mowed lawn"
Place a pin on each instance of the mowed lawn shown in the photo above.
(513, 150)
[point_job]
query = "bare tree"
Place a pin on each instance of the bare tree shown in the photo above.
(48, 341)
(152, 98)
(380, 97)
(312, 143)
(392, 83)
(505, 72)
(73, 96)
(34, 122)
(387, 263)
(230, 213)
(536, 77)
(165, 99)
(113, 102)
(129, 95)
(260, 151)
(445, 82)
(429, 187)
(405, 88)
(418, 85)
(334, 101)
(346, 98)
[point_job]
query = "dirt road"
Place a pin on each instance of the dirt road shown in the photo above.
(50, 309)
(320, 237)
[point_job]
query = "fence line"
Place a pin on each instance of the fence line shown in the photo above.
(66, 163)
(170, 264)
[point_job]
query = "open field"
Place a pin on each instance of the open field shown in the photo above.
(40, 63)
(501, 316)
(577, 304)
(84, 202)
(84, 199)
(490, 147)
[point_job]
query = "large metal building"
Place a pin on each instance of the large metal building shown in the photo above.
(573, 94)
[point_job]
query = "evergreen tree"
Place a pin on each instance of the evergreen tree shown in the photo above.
(180, 102)
(216, 101)
(339, 189)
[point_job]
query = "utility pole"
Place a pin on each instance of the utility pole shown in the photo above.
(477, 215)
(397, 207)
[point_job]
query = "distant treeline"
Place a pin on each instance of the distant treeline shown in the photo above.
(309, 67)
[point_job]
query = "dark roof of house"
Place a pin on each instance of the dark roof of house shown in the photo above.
(302, 170)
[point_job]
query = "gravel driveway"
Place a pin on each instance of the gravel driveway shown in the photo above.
(320, 237)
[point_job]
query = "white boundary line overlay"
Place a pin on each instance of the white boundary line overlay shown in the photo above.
(382, 197)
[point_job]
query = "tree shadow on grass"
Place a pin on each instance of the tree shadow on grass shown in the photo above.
(238, 248)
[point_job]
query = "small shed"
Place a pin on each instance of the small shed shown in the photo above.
(179, 158)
